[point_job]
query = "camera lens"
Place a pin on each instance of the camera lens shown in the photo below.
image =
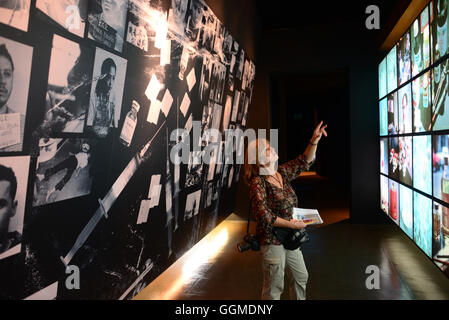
(243, 246)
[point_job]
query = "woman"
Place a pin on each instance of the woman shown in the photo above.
(273, 200)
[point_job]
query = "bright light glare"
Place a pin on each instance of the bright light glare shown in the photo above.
(203, 253)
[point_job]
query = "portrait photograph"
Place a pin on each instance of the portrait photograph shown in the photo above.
(15, 68)
(106, 92)
(13, 188)
(107, 20)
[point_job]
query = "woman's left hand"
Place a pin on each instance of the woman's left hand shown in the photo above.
(318, 132)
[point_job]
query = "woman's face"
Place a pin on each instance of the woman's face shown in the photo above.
(268, 154)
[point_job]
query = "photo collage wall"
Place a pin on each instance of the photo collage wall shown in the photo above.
(90, 94)
(414, 133)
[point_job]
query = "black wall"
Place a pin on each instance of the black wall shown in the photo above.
(119, 255)
(330, 38)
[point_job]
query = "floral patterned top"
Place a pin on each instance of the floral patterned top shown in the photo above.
(269, 202)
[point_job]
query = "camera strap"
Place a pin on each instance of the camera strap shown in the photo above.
(249, 217)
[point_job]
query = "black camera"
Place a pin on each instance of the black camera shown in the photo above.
(291, 239)
(250, 242)
(300, 235)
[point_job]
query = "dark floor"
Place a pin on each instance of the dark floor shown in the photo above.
(336, 257)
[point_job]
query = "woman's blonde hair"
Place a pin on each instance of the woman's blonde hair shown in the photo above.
(251, 170)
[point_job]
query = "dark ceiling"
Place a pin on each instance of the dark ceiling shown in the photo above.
(297, 13)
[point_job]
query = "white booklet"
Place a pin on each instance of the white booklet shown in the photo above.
(308, 216)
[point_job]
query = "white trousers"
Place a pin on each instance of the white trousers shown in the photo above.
(275, 258)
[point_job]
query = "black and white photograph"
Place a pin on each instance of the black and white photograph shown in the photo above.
(230, 81)
(192, 205)
(240, 63)
(216, 117)
(205, 81)
(220, 159)
(245, 111)
(15, 68)
(13, 187)
(15, 13)
(106, 92)
(210, 194)
(210, 120)
(237, 172)
(246, 74)
(226, 114)
(207, 34)
(195, 14)
(177, 17)
(217, 82)
(227, 47)
(235, 106)
(242, 101)
(107, 20)
(251, 79)
(234, 51)
(145, 21)
(70, 14)
(219, 41)
(194, 170)
(230, 176)
(69, 86)
(63, 170)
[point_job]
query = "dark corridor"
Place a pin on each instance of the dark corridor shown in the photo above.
(298, 103)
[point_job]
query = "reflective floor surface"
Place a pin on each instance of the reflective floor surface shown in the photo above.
(337, 257)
